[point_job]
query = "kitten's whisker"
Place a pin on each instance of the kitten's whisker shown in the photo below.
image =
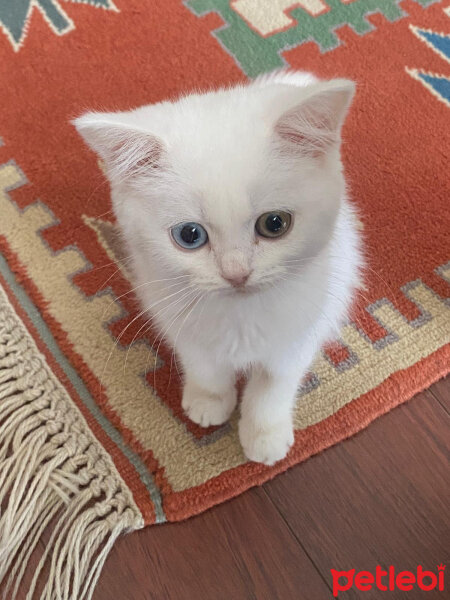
(146, 322)
(115, 346)
(353, 319)
(334, 274)
(196, 300)
(188, 291)
(364, 267)
(172, 356)
(380, 278)
(142, 285)
(151, 318)
(108, 212)
(100, 185)
(113, 262)
(164, 308)
(119, 261)
(161, 336)
(330, 294)
(111, 276)
(125, 329)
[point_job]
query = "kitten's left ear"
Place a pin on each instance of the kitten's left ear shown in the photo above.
(313, 125)
(126, 151)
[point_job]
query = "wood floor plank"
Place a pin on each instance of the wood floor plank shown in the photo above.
(27, 578)
(380, 498)
(241, 550)
(441, 391)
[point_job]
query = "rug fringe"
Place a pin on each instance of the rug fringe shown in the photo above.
(53, 474)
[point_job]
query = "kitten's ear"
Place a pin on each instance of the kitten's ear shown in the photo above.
(126, 152)
(313, 126)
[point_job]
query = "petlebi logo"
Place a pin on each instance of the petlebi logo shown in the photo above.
(389, 580)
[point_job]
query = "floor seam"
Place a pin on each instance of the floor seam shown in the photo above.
(439, 401)
(298, 540)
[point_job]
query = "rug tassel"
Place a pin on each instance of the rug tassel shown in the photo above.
(53, 474)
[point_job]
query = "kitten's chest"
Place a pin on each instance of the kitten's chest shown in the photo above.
(245, 332)
(237, 333)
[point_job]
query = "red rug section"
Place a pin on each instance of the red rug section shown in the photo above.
(395, 157)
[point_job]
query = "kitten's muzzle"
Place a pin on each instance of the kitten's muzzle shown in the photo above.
(237, 280)
(234, 267)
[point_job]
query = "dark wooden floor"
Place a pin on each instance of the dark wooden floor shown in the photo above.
(380, 498)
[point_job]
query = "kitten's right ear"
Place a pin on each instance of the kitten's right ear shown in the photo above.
(312, 125)
(126, 152)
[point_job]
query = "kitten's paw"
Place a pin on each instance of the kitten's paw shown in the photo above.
(208, 409)
(266, 445)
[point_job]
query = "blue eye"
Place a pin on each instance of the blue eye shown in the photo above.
(189, 235)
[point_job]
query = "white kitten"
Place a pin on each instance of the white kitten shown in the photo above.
(245, 250)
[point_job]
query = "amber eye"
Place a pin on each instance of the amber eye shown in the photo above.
(273, 224)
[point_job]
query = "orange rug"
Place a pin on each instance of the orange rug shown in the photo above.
(91, 446)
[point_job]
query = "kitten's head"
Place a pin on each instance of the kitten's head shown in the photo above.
(234, 188)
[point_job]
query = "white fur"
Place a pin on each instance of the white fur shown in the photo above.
(222, 159)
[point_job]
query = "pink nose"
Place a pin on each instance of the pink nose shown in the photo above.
(238, 279)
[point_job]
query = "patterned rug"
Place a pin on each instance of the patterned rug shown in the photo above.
(93, 441)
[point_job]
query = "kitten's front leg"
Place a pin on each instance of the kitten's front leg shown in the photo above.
(266, 428)
(209, 394)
